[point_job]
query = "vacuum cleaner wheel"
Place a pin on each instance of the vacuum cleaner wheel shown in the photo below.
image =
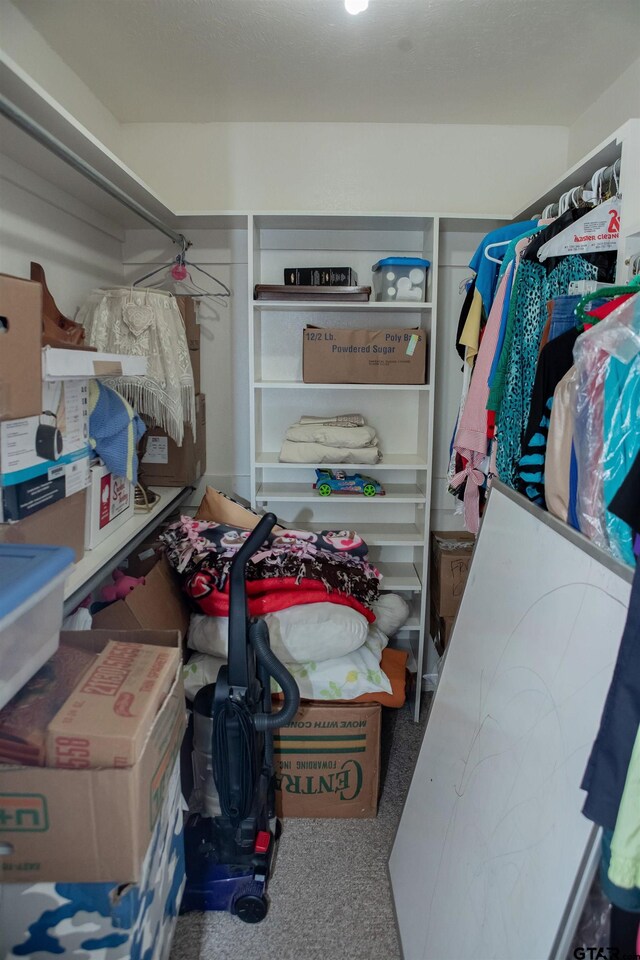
(250, 904)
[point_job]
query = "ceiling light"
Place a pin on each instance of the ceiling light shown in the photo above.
(355, 6)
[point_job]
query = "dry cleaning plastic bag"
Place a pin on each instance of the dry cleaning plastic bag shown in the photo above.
(607, 423)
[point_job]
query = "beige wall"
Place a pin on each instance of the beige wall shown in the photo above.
(619, 102)
(345, 166)
(22, 43)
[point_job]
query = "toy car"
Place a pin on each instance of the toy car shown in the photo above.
(329, 481)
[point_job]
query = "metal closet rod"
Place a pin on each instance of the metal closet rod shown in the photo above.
(39, 133)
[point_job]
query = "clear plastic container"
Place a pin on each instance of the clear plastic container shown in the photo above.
(400, 279)
(31, 599)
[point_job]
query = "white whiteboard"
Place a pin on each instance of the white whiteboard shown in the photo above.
(492, 840)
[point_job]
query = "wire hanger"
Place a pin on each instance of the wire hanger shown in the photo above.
(179, 274)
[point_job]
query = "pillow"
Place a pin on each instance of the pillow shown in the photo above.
(199, 671)
(218, 508)
(342, 678)
(308, 631)
(392, 612)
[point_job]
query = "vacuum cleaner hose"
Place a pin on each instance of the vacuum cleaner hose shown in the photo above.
(266, 656)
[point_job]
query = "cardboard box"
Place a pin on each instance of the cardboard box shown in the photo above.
(450, 560)
(158, 604)
(187, 308)
(327, 762)
(165, 464)
(102, 922)
(440, 629)
(20, 345)
(24, 720)
(61, 525)
(89, 826)
(333, 355)
(45, 458)
(105, 720)
(110, 504)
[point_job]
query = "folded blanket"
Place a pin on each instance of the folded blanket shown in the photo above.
(268, 597)
(343, 420)
(324, 564)
(332, 436)
(343, 678)
(114, 430)
(319, 453)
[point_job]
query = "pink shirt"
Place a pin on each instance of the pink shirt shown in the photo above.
(471, 440)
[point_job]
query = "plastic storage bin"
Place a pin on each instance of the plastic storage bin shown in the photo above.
(31, 597)
(397, 279)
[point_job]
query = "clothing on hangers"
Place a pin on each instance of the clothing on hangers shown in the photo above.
(146, 323)
(487, 270)
(555, 360)
(607, 434)
(535, 284)
(471, 441)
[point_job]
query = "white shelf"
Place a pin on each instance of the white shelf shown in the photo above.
(320, 306)
(395, 526)
(392, 461)
(399, 576)
(105, 557)
(378, 534)
(299, 385)
(303, 493)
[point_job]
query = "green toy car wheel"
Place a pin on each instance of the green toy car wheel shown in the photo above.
(369, 490)
(324, 490)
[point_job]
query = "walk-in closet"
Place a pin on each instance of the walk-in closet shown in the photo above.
(319, 479)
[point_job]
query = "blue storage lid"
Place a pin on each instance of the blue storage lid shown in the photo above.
(25, 569)
(402, 262)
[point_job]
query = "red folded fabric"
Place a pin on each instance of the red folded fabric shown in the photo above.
(267, 596)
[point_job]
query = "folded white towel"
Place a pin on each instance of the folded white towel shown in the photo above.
(332, 436)
(320, 453)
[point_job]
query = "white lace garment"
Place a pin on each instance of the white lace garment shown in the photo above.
(148, 323)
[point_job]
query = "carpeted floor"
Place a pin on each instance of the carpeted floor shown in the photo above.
(330, 896)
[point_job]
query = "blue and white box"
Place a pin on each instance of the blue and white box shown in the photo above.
(45, 458)
(103, 921)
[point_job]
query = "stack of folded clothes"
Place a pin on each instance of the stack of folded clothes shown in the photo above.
(319, 596)
(341, 439)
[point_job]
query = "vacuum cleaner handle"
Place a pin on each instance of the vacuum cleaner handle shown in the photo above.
(266, 657)
(238, 613)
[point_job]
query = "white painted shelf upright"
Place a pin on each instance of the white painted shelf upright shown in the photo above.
(396, 526)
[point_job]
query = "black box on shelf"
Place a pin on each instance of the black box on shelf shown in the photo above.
(320, 277)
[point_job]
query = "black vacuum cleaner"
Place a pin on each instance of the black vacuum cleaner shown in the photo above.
(229, 845)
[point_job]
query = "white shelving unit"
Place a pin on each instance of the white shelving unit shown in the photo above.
(99, 562)
(395, 526)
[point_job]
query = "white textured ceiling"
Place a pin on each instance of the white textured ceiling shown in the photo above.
(438, 61)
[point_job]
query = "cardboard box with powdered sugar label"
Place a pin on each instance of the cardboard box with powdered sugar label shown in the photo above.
(341, 355)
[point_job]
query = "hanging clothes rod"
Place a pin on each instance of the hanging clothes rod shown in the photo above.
(39, 133)
(609, 177)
